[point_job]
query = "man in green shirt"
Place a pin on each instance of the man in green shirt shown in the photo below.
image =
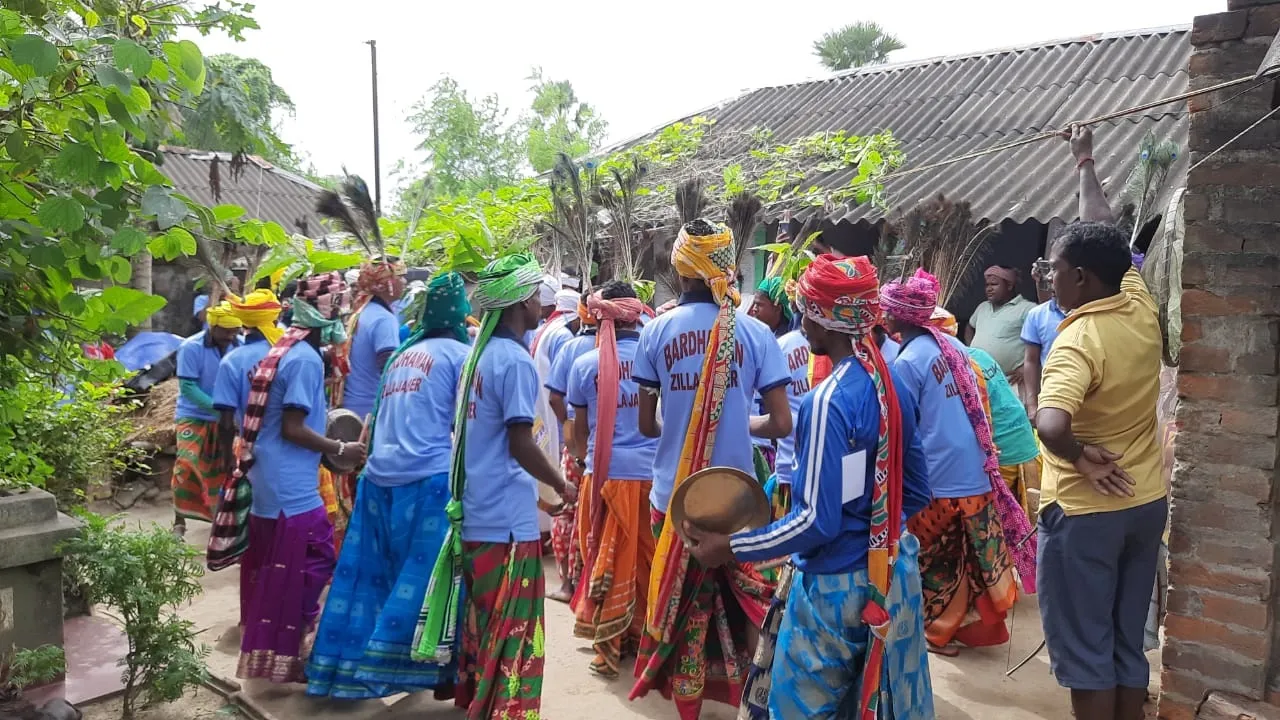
(996, 325)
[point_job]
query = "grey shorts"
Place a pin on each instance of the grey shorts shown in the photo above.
(1096, 573)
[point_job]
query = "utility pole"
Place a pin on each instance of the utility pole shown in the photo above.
(377, 160)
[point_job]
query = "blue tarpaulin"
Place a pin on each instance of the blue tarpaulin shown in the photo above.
(147, 348)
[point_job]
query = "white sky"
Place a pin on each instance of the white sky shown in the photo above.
(642, 64)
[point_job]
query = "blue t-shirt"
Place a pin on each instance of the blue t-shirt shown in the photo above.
(1041, 327)
(827, 529)
(501, 499)
(554, 339)
(889, 350)
(562, 362)
(235, 376)
(198, 360)
(633, 453)
(795, 349)
(956, 461)
(672, 348)
(285, 475)
(413, 434)
(377, 331)
(1011, 429)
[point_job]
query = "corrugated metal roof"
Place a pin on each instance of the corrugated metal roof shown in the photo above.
(265, 191)
(945, 107)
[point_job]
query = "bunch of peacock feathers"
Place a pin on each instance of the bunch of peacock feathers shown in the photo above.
(1147, 183)
(353, 212)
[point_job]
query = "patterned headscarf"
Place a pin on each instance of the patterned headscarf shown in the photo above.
(503, 283)
(840, 294)
(445, 307)
(320, 300)
(259, 310)
(221, 316)
(944, 321)
(607, 313)
(376, 276)
(914, 301)
(776, 290)
(1006, 274)
(709, 258)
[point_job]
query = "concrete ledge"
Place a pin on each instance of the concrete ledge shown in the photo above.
(37, 542)
(27, 508)
(1221, 706)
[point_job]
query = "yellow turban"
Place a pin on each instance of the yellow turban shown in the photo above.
(259, 310)
(221, 316)
(711, 258)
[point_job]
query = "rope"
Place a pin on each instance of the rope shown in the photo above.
(1047, 134)
(1239, 135)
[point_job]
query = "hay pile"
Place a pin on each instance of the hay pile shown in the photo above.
(153, 422)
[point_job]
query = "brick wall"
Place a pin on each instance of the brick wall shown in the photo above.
(1220, 632)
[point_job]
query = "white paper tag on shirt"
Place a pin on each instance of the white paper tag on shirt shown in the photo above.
(853, 471)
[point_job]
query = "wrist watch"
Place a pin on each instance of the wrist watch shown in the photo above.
(342, 447)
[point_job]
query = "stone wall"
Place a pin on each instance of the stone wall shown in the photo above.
(1220, 632)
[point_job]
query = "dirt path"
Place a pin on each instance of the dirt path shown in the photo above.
(971, 686)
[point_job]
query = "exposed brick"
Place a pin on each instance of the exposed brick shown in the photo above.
(1176, 707)
(1191, 329)
(1231, 269)
(1195, 206)
(1181, 600)
(1243, 389)
(1238, 4)
(1224, 515)
(1203, 482)
(1238, 166)
(1259, 363)
(1215, 121)
(1251, 645)
(1258, 421)
(1225, 447)
(1254, 584)
(1192, 685)
(1199, 358)
(1184, 657)
(1264, 21)
(1234, 611)
(1232, 59)
(1207, 29)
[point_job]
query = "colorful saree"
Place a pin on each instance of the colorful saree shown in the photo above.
(197, 471)
(968, 577)
(502, 637)
(609, 609)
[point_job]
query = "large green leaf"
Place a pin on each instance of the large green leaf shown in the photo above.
(323, 261)
(130, 56)
(10, 24)
(227, 213)
(61, 213)
(128, 241)
(188, 64)
(109, 77)
(121, 269)
(78, 162)
(131, 306)
(36, 52)
(159, 203)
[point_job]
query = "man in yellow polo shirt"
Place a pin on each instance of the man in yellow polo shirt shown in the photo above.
(1103, 498)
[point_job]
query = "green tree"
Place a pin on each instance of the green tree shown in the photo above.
(856, 45)
(561, 123)
(85, 87)
(235, 111)
(469, 147)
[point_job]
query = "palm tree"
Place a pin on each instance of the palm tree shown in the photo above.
(856, 45)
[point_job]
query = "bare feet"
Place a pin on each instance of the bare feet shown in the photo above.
(180, 530)
(944, 650)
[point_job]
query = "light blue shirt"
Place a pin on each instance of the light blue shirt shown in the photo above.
(956, 461)
(235, 376)
(285, 476)
(198, 360)
(413, 433)
(1011, 429)
(795, 350)
(672, 348)
(554, 339)
(500, 503)
(1041, 327)
(889, 350)
(632, 457)
(562, 362)
(825, 533)
(377, 331)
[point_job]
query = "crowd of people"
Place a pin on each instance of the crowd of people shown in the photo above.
(523, 413)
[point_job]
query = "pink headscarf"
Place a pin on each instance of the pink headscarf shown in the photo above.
(1008, 275)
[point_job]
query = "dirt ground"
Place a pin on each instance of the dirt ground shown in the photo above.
(972, 686)
(203, 705)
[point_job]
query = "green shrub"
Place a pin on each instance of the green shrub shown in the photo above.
(143, 576)
(61, 436)
(32, 668)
